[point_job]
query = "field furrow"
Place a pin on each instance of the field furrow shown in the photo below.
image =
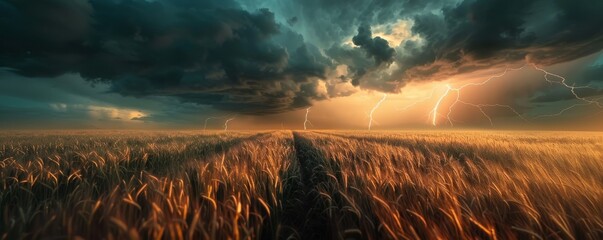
(321, 210)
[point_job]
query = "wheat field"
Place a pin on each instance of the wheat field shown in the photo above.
(301, 185)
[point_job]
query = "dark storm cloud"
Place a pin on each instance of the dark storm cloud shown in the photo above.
(372, 54)
(270, 56)
(328, 22)
(206, 52)
(292, 21)
(456, 37)
(478, 34)
(377, 47)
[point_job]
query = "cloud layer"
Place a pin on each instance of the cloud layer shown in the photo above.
(264, 57)
(206, 52)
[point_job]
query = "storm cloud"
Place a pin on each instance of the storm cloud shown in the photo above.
(206, 52)
(269, 56)
(446, 38)
(477, 34)
(377, 48)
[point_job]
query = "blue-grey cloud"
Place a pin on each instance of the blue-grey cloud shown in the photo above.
(206, 52)
(269, 56)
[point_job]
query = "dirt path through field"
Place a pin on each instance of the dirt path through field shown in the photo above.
(316, 224)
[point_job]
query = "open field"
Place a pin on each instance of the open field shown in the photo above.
(301, 185)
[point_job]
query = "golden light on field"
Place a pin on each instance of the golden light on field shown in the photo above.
(283, 184)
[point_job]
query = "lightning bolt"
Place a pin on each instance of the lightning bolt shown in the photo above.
(567, 109)
(480, 107)
(306, 120)
(207, 119)
(373, 110)
(437, 105)
(562, 111)
(572, 88)
(226, 123)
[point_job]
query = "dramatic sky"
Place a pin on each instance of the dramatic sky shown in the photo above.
(136, 64)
